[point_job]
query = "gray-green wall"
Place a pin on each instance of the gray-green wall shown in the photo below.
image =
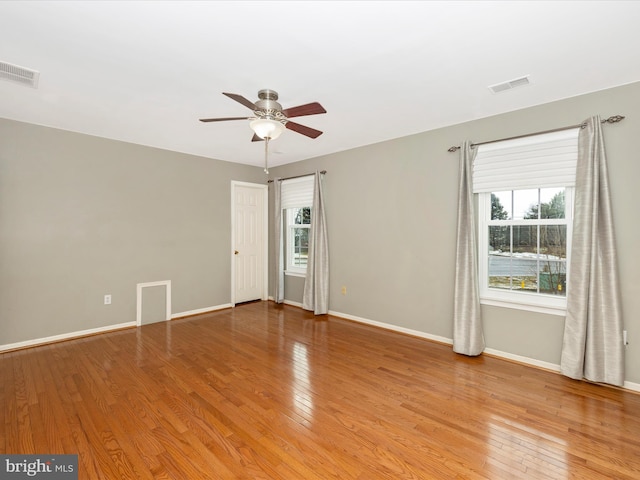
(82, 216)
(391, 211)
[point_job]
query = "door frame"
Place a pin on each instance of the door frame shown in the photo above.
(265, 237)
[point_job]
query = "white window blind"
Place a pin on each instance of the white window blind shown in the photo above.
(541, 160)
(297, 192)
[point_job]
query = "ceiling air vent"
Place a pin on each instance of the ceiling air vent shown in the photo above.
(503, 87)
(17, 74)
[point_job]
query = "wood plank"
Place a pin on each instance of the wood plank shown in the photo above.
(266, 391)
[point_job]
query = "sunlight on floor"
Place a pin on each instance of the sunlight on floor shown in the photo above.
(524, 447)
(302, 397)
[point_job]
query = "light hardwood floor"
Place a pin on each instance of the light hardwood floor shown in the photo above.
(266, 391)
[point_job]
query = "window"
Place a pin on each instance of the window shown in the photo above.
(524, 245)
(296, 199)
(298, 225)
(525, 194)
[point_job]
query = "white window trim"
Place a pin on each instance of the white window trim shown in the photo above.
(291, 269)
(292, 273)
(535, 302)
(296, 193)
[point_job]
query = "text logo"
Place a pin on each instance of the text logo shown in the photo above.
(49, 467)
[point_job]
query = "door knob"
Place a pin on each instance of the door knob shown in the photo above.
(236, 252)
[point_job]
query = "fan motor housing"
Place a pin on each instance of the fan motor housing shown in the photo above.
(268, 101)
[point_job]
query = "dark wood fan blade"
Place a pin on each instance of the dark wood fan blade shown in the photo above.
(309, 109)
(304, 130)
(256, 138)
(242, 100)
(222, 119)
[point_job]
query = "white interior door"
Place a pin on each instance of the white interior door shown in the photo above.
(249, 241)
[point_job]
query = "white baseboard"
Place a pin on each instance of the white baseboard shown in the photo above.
(286, 302)
(65, 336)
(632, 386)
(198, 311)
(490, 351)
(93, 331)
(520, 359)
(388, 326)
(293, 304)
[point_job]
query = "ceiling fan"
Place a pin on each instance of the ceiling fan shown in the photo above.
(270, 120)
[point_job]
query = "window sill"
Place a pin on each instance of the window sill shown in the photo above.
(530, 307)
(289, 273)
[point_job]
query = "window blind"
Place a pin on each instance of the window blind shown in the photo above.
(297, 192)
(546, 160)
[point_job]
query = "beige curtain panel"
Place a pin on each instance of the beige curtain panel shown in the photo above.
(316, 286)
(593, 344)
(468, 336)
(279, 250)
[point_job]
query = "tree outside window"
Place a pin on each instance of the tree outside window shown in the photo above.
(299, 223)
(527, 236)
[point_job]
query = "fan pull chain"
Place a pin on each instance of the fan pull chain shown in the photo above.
(266, 153)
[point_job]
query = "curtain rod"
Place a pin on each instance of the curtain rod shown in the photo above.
(612, 119)
(297, 176)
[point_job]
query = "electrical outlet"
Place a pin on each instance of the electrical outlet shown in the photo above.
(107, 299)
(344, 290)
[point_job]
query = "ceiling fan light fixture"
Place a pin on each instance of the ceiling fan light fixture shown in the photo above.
(267, 128)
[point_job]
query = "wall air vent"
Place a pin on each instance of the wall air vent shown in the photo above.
(17, 74)
(503, 87)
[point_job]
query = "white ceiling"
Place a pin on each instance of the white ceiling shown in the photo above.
(145, 72)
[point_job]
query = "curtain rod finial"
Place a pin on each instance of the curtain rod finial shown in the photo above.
(453, 149)
(614, 119)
